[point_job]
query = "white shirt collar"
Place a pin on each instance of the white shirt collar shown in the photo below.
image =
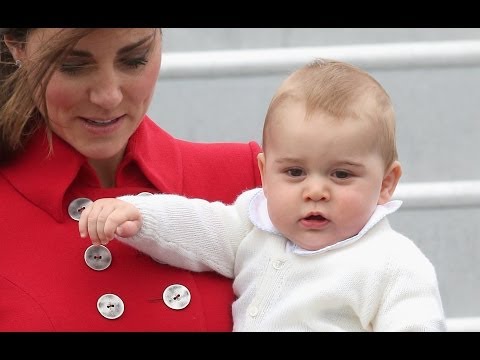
(258, 215)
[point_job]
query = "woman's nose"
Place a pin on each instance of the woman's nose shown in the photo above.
(106, 92)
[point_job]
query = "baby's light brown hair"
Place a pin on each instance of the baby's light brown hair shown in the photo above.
(344, 92)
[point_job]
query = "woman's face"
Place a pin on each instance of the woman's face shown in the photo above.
(98, 96)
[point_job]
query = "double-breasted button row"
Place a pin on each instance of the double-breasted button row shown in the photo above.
(77, 206)
(99, 258)
(176, 297)
(110, 306)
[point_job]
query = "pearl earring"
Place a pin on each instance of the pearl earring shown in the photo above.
(18, 63)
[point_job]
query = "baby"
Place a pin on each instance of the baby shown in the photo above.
(312, 250)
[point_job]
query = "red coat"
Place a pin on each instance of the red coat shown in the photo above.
(45, 284)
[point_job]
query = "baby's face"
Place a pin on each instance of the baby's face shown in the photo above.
(322, 176)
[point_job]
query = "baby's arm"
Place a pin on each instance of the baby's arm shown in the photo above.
(193, 234)
(105, 218)
(412, 301)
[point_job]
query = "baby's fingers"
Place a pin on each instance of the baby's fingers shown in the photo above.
(101, 220)
(92, 220)
(120, 215)
(83, 222)
(95, 222)
(105, 227)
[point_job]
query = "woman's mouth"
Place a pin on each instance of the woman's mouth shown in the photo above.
(103, 127)
(102, 123)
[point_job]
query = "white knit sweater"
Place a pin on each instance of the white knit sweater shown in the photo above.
(382, 282)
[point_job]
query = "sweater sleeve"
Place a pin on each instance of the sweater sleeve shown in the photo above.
(193, 234)
(412, 299)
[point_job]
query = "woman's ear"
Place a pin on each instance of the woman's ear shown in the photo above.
(15, 48)
(389, 183)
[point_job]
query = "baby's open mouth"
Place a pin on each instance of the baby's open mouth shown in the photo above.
(315, 217)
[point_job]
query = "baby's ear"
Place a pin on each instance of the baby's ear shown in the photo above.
(261, 166)
(389, 183)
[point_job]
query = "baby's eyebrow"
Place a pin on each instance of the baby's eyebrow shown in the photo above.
(350, 163)
(288, 160)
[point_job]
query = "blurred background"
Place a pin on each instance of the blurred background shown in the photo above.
(433, 78)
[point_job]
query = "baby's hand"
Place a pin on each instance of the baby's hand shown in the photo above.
(105, 218)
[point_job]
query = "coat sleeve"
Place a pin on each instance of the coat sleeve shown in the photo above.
(219, 171)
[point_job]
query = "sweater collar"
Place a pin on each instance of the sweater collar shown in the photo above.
(44, 179)
(258, 214)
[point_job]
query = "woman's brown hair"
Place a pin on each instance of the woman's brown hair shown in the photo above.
(22, 89)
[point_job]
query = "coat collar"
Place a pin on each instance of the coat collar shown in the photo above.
(44, 180)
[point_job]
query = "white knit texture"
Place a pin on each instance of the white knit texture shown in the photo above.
(382, 282)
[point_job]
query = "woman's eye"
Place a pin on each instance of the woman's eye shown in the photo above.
(135, 63)
(72, 68)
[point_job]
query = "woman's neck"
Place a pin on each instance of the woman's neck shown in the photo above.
(106, 169)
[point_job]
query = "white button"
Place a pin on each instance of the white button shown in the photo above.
(110, 306)
(252, 310)
(278, 264)
(98, 257)
(176, 297)
(77, 206)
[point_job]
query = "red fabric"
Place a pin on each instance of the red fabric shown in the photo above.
(45, 284)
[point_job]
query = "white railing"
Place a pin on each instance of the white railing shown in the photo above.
(443, 195)
(439, 194)
(283, 60)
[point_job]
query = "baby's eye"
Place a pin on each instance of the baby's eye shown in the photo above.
(341, 174)
(295, 172)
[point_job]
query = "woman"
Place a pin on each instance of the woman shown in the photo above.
(73, 128)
